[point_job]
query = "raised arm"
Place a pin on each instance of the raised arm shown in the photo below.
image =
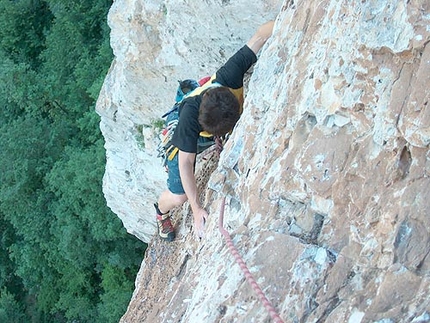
(260, 37)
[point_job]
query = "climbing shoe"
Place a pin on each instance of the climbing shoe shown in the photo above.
(165, 228)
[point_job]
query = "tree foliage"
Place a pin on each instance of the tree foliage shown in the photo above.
(10, 310)
(64, 256)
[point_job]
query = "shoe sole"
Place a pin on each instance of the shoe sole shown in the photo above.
(170, 237)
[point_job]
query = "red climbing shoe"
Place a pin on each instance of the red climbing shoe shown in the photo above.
(165, 228)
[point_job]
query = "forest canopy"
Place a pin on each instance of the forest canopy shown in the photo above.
(64, 256)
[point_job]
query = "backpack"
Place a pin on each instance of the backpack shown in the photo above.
(166, 150)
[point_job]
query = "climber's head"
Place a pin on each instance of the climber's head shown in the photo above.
(219, 111)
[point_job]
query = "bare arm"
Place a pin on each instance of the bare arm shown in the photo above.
(260, 37)
(186, 171)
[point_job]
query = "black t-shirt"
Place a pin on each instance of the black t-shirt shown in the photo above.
(230, 75)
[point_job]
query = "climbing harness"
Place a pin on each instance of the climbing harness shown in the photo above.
(272, 311)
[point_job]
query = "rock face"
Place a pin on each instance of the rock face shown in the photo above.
(326, 175)
(156, 43)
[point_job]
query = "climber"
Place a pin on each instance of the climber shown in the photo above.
(215, 109)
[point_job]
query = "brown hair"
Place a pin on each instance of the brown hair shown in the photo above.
(219, 111)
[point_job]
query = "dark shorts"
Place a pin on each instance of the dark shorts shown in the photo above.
(174, 183)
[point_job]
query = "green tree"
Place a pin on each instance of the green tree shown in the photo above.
(64, 255)
(23, 24)
(76, 55)
(116, 287)
(8, 279)
(10, 310)
(20, 90)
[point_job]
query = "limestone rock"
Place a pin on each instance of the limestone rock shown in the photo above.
(156, 43)
(326, 174)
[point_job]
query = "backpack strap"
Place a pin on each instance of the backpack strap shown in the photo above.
(205, 134)
(166, 149)
(206, 86)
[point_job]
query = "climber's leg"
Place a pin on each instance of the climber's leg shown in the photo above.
(172, 197)
(169, 200)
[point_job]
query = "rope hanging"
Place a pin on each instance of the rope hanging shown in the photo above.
(272, 311)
